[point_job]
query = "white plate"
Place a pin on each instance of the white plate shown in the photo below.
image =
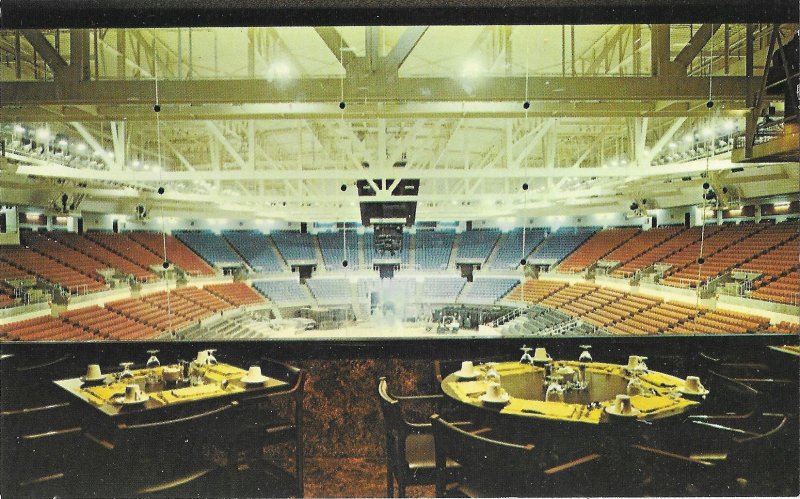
(93, 380)
(612, 411)
(259, 381)
(461, 375)
(502, 400)
(696, 394)
(121, 400)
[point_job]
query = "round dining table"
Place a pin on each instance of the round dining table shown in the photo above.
(593, 402)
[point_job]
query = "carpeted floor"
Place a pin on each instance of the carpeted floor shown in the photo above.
(351, 477)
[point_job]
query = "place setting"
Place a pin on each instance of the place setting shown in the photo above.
(94, 376)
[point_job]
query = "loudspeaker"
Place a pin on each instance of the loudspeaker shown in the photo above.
(687, 219)
(653, 222)
(3, 227)
(80, 226)
(115, 226)
(303, 228)
(469, 224)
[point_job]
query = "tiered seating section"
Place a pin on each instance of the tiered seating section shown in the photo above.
(295, 246)
(433, 249)
(211, 247)
(282, 292)
(135, 319)
(442, 289)
(595, 248)
(334, 291)
(671, 244)
(106, 324)
(487, 290)
(768, 253)
(638, 245)
(256, 249)
(107, 257)
(560, 243)
(126, 247)
(634, 314)
(687, 272)
(370, 254)
(177, 253)
(476, 245)
(333, 246)
(50, 270)
(236, 293)
(511, 251)
(535, 290)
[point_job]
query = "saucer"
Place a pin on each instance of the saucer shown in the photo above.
(461, 375)
(545, 360)
(503, 400)
(121, 400)
(93, 380)
(701, 393)
(612, 410)
(254, 381)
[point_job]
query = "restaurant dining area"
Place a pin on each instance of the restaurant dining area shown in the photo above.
(496, 418)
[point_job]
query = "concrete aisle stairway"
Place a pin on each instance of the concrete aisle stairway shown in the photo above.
(318, 255)
(412, 250)
(493, 254)
(277, 252)
(451, 263)
(362, 256)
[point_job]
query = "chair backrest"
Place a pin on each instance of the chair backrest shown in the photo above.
(390, 407)
(495, 467)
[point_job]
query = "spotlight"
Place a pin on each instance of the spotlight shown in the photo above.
(19, 128)
(706, 185)
(688, 138)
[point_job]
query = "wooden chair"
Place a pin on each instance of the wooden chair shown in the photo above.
(492, 467)
(751, 463)
(162, 458)
(410, 456)
(271, 423)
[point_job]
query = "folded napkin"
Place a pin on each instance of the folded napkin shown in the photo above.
(651, 404)
(466, 390)
(661, 380)
(554, 410)
(222, 372)
(106, 392)
(195, 392)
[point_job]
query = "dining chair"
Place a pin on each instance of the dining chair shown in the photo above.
(276, 419)
(155, 458)
(39, 439)
(409, 445)
(751, 463)
(491, 468)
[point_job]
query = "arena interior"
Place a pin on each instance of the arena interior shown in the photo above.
(369, 194)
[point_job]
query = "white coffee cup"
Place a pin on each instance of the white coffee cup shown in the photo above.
(623, 403)
(541, 354)
(254, 372)
(172, 373)
(202, 358)
(494, 391)
(133, 393)
(693, 384)
(467, 368)
(93, 371)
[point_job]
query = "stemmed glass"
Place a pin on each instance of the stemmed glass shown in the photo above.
(126, 370)
(584, 358)
(153, 360)
(526, 355)
(555, 392)
(211, 360)
(491, 373)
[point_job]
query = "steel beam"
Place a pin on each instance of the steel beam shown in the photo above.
(50, 55)
(699, 40)
(327, 90)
